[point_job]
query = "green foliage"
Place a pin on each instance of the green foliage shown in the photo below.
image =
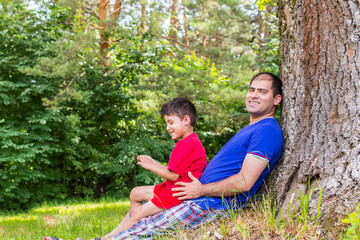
(68, 125)
(267, 54)
(217, 99)
(25, 126)
(304, 200)
(353, 231)
(263, 3)
(71, 127)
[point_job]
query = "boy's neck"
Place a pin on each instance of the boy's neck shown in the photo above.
(189, 132)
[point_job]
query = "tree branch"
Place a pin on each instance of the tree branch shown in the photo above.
(173, 40)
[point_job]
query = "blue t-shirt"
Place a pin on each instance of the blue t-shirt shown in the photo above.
(262, 139)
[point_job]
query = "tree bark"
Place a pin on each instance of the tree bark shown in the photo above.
(320, 68)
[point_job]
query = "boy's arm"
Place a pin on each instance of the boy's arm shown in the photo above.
(157, 168)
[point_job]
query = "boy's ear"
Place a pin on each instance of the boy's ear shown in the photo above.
(187, 119)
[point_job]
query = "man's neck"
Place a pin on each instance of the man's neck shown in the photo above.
(255, 119)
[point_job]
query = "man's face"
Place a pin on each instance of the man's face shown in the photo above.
(260, 99)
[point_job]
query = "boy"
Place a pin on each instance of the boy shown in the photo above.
(187, 156)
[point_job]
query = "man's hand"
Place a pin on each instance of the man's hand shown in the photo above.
(188, 190)
(145, 161)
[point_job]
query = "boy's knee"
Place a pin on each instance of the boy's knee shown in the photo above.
(135, 192)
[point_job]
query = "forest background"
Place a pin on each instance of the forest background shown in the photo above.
(82, 83)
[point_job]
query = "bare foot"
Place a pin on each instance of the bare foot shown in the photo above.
(90, 239)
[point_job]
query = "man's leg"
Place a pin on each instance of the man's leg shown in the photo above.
(188, 214)
(137, 196)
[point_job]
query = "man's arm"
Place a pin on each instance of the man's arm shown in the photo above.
(242, 182)
(156, 167)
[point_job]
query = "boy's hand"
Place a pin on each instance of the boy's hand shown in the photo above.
(145, 161)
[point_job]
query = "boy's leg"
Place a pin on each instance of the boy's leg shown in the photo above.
(145, 210)
(137, 196)
(140, 194)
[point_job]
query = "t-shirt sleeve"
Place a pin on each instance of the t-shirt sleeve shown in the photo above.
(178, 158)
(262, 144)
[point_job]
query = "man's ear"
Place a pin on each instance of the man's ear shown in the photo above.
(277, 99)
(187, 119)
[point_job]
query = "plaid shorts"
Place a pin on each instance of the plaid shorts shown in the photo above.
(187, 214)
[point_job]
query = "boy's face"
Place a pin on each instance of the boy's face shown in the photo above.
(177, 127)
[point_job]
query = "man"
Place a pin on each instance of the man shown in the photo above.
(233, 175)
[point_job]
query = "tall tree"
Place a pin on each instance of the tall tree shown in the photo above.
(143, 16)
(173, 22)
(260, 27)
(320, 68)
(105, 26)
(203, 34)
(186, 35)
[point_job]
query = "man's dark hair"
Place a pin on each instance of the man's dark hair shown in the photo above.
(180, 107)
(276, 85)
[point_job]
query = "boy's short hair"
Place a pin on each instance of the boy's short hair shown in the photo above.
(180, 107)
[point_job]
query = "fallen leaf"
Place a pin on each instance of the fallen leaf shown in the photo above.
(218, 235)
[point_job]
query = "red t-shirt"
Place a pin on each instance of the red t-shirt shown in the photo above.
(188, 156)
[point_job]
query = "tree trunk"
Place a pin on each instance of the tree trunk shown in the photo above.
(117, 7)
(203, 41)
(173, 22)
(217, 38)
(187, 43)
(260, 28)
(106, 26)
(320, 68)
(269, 9)
(103, 43)
(203, 34)
(143, 17)
(143, 22)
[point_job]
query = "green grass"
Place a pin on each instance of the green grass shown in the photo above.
(85, 220)
(258, 220)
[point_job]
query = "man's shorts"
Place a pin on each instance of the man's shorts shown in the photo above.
(187, 214)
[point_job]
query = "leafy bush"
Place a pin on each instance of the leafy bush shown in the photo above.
(71, 127)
